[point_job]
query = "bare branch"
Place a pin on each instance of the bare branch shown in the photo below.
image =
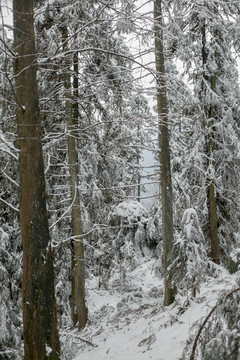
(16, 210)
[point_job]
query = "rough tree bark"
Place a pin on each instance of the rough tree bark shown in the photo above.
(164, 156)
(41, 340)
(78, 306)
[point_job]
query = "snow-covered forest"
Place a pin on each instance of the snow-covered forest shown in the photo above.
(119, 179)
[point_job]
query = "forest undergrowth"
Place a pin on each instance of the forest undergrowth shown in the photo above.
(127, 320)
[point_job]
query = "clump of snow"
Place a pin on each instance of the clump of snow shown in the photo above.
(97, 253)
(3, 238)
(48, 350)
(131, 212)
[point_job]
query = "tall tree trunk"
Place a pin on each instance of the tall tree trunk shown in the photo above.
(164, 156)
(75, 88)
(40, 333)
(138, 192)
(78, 306)
(211, 190)
(212, 202)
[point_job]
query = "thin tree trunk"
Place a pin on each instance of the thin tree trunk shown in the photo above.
(164, 156)
(212, 202)
(211, 190)
(78, 306)
(41, 340)
(138, 169)
(75, 88)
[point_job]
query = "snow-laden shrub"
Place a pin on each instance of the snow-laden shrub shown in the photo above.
(131, 212)
(191, 262)
(217, 336)
(234, 257)
(132, 218)
(120, 242)
(221, 338)
(154, 228)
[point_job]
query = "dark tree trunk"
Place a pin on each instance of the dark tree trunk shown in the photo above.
(212, 201)
(209, 112)
(164, 156)
(40, 333)
(79, 310)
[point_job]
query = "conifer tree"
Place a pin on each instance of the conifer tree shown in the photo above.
(204, 40)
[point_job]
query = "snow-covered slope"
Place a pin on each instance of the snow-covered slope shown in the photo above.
(129, 321)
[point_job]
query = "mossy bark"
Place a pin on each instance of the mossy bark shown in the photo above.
(41, 340)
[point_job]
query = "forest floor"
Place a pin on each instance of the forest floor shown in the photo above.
(129, 322)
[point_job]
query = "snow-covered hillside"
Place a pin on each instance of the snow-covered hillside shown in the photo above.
(129, 321)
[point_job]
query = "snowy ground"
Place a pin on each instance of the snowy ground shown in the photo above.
(135, 325)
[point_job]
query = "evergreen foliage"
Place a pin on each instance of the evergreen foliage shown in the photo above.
(191, 262)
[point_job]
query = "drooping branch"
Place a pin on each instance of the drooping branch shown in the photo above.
(195, 343)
